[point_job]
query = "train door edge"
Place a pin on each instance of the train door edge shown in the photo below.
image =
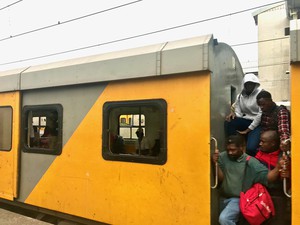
(9, 144)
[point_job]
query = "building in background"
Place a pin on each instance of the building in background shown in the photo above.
(293, 9)
(274, 50)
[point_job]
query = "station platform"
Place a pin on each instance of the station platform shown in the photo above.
(11, 218)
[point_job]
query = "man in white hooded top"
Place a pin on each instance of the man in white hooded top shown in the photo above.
(245, 119)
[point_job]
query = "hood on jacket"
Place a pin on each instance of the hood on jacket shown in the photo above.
(250, 77)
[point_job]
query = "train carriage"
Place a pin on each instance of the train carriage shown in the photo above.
(68, 136)
(295, 113)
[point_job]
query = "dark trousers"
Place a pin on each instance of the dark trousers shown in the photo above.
(252, 138)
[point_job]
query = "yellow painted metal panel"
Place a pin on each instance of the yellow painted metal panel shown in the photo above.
(9, 159)
(295, 123)
(82, 183)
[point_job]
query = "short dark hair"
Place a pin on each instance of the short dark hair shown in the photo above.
(264, 94)
(274, 136)
(237, 139)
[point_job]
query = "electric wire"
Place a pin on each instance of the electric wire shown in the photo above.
(68, 21)
(135, 36)
(158, 31)
(14, 3)
(257, 42)
(266, 65)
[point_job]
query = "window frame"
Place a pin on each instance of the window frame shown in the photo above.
(26, 109)
(108, 107)
(11, 126)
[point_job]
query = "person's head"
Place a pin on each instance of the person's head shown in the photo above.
(264, 101)
(250, 83)
(139, 132)
(235, 146)
(269, 141)
(249, 87)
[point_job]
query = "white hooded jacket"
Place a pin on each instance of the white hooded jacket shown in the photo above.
(245, 105)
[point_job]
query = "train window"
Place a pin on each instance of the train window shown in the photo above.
(135, 131)
(5, 128)
(42, 129)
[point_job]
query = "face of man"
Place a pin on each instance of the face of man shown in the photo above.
(249, 87)
(234, 152)
(267, 142)
(265, 104)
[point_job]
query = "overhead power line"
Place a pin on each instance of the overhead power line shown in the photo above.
(257, 42)
(166, 29)
(110, 42)
(68, 21)
(266, 65)
(11, 5)
(135, 36)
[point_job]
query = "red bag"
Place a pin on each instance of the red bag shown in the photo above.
(256, 204)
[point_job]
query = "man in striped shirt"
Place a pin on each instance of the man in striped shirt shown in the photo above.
(274, 117)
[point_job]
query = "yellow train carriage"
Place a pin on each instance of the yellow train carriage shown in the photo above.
(79, 161)
(9, 141)
(295, 113)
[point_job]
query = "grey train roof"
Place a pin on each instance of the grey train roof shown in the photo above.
(182, 56)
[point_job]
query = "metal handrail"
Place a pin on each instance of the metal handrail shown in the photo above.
(288, 152)
(216, 164)
(285, 155)
(284, 179)
(284, 189)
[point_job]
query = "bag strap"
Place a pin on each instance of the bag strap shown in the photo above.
(246, 165)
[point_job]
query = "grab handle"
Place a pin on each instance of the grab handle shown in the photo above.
(284, 189)
(284, 155)
(216, 164)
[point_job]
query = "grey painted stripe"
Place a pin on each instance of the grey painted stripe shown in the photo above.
(76, 101)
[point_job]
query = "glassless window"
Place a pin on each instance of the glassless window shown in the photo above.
(135, 131)
(5, 128)
(42, 131)
(129, 125)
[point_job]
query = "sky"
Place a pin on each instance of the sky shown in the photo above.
(52, 30)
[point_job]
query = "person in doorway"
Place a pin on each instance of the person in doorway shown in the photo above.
(269, 154)
(246, 114)
(233, 177)
(275, 117)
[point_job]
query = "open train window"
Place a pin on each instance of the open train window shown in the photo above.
(135, 131)
(42, 129)
(5, 128)
(129, 124)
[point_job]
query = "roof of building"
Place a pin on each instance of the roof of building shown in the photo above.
(265, 9)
